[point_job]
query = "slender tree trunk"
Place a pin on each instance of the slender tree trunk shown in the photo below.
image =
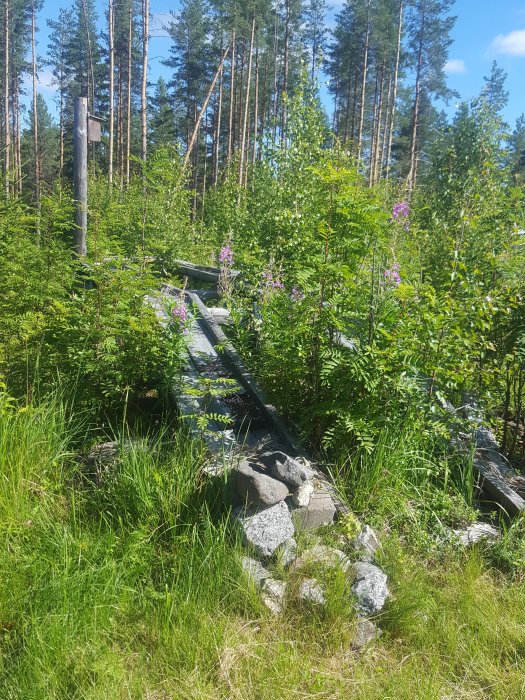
(7, 126)
(363, 86)
(218, 130)
(377, 129)
(120, 127)
(240, 101)
(61, 128)
(412, 173)
(17, 179)
(232, 93)
(382, 148)
(204, 107)
(246, 107)
(255, 111)
(374, 133)
(144, 87)
(263, 101)
(394, 95)
(35, 117)
(275, 78)
(128, 107)
(111, 32)
(285, 69)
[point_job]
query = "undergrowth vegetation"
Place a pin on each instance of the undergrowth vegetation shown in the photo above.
(369, 314)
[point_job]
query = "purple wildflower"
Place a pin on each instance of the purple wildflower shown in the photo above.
(392, 276)
(226, 255)
(179, 313)
(297, 295)
(401, 210)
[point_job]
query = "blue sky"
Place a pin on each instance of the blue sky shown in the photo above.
(485, 30)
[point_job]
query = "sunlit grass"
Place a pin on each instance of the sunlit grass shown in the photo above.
(132, 589)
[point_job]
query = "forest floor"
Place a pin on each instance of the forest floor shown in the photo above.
(130, 586)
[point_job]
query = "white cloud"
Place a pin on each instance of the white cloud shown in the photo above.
(511, 44)
(455, 65)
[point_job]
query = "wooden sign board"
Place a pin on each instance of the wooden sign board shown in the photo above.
(94, 129)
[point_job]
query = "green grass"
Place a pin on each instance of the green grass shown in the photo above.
(132, 589)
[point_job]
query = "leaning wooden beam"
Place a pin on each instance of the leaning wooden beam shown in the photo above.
(204, 107)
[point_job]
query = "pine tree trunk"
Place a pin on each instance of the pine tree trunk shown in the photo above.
(61, 128)
(218, 131)
(7, 126)
(377, 129)
(256, 112)
(285, 70)
(111, 33)
(394, 96)
(144, 99)
(120, 127)
(363, 86)
(232, 93)
(35, 118)
(128, 107)
(16, 174)
(374, 134)
(275, 79)
(412, 172)
(384, 140)
(246, 107)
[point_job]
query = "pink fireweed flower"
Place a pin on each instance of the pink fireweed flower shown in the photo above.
(401, 210)
(226, 256)
(179, 313)
(392, 276)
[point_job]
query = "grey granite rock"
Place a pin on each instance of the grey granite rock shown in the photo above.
(255, 571)
(369, 587)
(365, 632)
(367, 544)
(311, 591)
(477, 532)
(264, 529)
(254, 487)
(287, 552)
(283, 467)
(326, 556)
(303, 494)
(273, 595)
(319, 511)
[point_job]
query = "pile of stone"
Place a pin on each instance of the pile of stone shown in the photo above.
(279, 494)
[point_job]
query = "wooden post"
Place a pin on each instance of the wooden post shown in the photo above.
(80, 186)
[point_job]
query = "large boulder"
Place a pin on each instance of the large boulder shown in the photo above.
(265, 529)
(369, 587)
(254, 487)
(283, 467)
